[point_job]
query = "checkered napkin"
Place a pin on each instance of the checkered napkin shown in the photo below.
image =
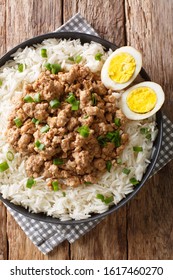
(47, 236)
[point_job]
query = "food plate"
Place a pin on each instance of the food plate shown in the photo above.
(85, 38)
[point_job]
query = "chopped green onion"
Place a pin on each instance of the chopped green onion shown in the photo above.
(109, 199)
(39, 145)
(106, 200)
(100, 196)
(64, 194)
(119, 161)
(108, 165)
(126, 171)
(137, 149)
(71, 98)
(148, 136)
(86, 117)
(55, 103)
(20, 67)
(71, 58)
(28, 99)
(43, 52)
(55, 68)
(133, 181)
(45, 128)
(10, 156)
(144, 130)
(30, 182)
(18, 122)
(35, 121)
(55, 186)
(48, 66)
(3, 166)
(114, 137)
(0, 83)
(84, 131)
(102, 141)
(87, 183)
(37, 97)
(93, 99)
(75, 106)
(78, 59)
(58, 161)
(98, 56)
(117, 122)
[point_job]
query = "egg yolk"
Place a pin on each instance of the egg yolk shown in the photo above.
(141, 100)
(121, 68)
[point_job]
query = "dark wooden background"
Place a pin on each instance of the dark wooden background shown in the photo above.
(143, 229)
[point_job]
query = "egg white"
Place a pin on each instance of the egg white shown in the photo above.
(107, 81)
(136, 116)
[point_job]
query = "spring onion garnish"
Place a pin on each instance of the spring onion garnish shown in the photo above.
(106, 200)
(10, 156)
(55, 186)
(30, 182)
(48, 66)
(126, 170)
(18, 122)
(98, 56)
(71, 58)
(64, 194)
(93, 99)
(78, 59)
(84, 131)
(133, 181)
(55, 103)
(102, 140)
(100, 196)
(117, 122)
(0, 83)
(39, 145)
(45, 128)
(146, 131)
(75, 106)
(58, 161)
(37, 97)
(71, 99)
(119, 161)
(137, 149)
(3, 166)
(87, 183)
(35, 121)
(114, 137)
(53, 68)
(20, 67)
(109, 199)
(108, 165)
(43, 52)
(86, 117)
(28, 99)
(148, 136)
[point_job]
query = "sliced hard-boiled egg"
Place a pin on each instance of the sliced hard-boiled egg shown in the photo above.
(121, 68)
(142, 100)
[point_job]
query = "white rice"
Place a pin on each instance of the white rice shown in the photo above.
(81, 202)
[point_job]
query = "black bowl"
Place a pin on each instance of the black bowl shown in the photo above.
(85, 38)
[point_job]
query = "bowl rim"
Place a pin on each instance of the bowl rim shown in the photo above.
(85, 38)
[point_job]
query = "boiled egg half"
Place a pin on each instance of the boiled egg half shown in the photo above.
(142, 100)
(121, 68)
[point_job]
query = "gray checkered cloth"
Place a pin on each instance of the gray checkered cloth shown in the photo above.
(47, 236)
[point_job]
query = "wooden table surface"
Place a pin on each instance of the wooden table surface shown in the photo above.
(143, 229)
